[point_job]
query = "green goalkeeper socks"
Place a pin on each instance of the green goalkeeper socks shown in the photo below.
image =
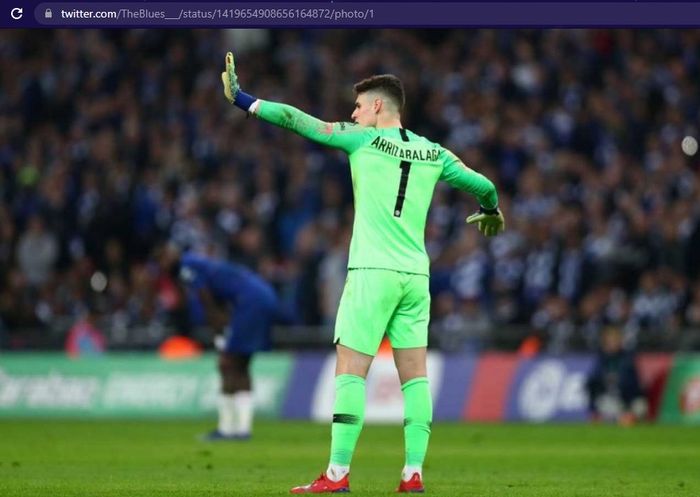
(418, 417)
(348, 416)
(349, 413)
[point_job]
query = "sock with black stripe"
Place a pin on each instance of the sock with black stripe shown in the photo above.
(348, 417)
(418, 417)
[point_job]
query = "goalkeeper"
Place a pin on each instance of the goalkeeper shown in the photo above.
(394, 172)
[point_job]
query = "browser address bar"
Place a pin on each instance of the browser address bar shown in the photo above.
(209, 14)
(426, 14)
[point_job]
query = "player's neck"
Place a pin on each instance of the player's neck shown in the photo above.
(388, 122)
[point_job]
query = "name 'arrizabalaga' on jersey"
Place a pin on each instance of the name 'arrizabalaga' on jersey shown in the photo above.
(422, 155)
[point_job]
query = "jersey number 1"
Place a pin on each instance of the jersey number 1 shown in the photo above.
(405, 170)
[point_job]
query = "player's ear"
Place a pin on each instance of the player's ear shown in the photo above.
(378, 104)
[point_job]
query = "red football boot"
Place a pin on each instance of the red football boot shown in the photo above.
(323, 485)
(412, 486)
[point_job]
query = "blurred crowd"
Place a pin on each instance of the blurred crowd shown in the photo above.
(112, 142)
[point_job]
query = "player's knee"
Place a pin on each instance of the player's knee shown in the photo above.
(411, 372)
(225, 364)
(410, 363)
(234, 364)
(234, 373)
(349, 361)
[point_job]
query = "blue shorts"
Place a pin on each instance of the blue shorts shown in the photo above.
(251, 325)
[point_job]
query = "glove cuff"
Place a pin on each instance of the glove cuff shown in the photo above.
(490, 212)
(243, 101)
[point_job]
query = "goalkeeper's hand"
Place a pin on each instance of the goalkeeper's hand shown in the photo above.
(489, 221)
(229, 79)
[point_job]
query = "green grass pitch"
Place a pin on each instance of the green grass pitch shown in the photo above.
(164, 458)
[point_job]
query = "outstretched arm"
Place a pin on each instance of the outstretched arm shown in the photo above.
(488, 219)
(345, 136)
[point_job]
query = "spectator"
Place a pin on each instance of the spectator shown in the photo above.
(459, 327)
(614, 391)
(84, 338)
(37, 252)
(553, 324)
(118, 148)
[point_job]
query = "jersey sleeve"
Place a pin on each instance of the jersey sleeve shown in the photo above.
(342, 135)
(457, 174)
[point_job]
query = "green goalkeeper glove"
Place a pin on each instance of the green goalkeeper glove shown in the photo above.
(229, 79)
(489, 221)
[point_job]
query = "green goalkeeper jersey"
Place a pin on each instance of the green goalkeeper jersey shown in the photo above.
(394, 172)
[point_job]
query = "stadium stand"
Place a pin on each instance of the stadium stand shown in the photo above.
(113, 141)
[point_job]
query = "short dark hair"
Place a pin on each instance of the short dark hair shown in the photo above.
(388, 84)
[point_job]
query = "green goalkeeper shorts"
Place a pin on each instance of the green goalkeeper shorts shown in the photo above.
(379, 301)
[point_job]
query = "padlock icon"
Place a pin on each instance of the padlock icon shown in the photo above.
(48, 14)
